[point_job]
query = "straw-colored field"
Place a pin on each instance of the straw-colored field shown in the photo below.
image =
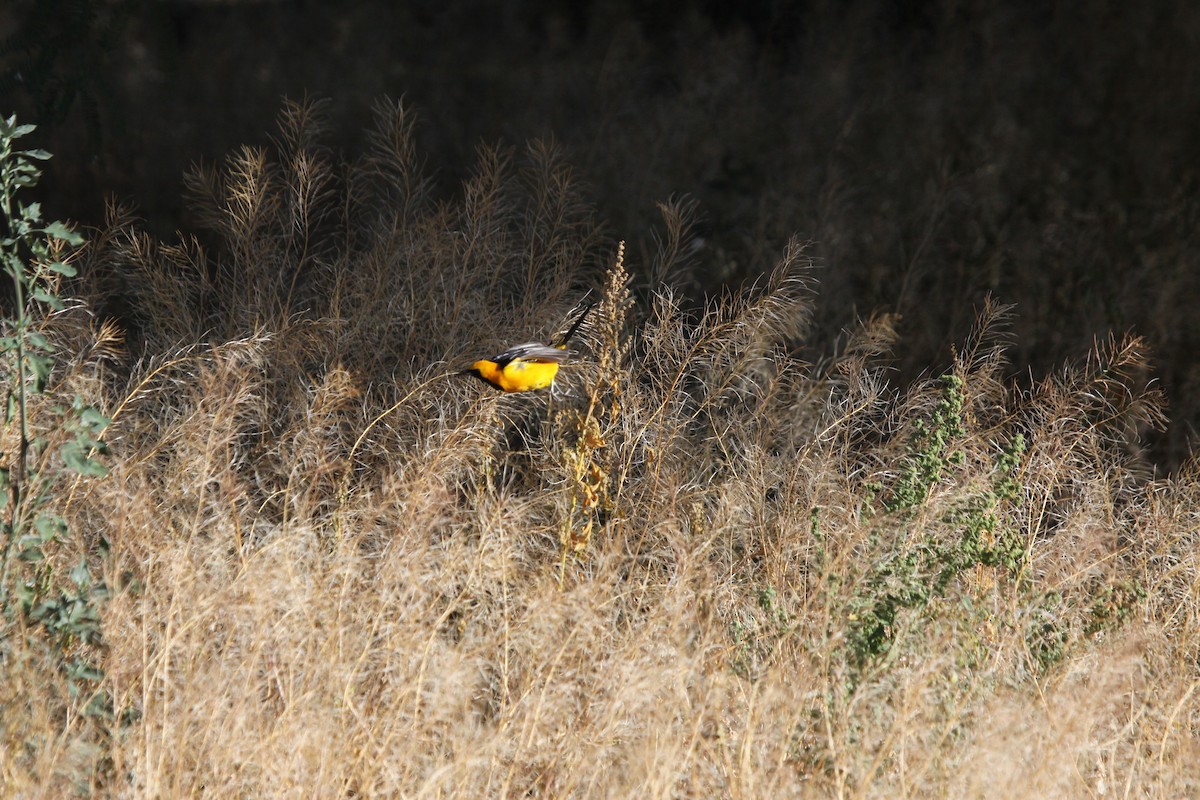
(703, 567)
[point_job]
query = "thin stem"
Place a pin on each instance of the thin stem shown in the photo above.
(17, 475)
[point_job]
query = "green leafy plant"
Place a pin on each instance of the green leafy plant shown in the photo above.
(931, 449)
(71, 616)
(33, 254)
(756, 638)
(915, 577)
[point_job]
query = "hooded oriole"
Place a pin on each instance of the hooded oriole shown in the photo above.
(528, 366)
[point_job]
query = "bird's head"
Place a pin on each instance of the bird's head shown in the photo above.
(481, 369)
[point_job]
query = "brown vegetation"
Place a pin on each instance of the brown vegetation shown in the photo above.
(703, 568)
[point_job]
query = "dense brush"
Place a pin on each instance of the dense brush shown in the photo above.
(716, 562)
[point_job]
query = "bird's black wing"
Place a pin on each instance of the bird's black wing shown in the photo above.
(532, 351)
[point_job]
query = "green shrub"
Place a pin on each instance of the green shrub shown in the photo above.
(39, 453)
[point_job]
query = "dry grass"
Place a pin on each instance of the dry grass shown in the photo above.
(936, 153)
(704, 568)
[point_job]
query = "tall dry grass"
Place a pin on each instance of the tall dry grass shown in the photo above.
(703, 567)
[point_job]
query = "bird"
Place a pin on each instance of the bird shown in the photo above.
(530, 366)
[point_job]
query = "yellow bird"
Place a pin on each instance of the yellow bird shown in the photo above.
(529, 366)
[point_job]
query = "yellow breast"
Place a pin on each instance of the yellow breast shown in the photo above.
(518, 375)
(525, 376)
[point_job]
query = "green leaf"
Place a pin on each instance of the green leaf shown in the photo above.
(62, 269)
(80, 574)
(93, 419)
(22, 130)
(39, 154)
(60, 231)
(75, 457)
(81, 670)
(40, 366)
(49, 526)
(31, 554)
(45, 611)
(35, 339)
(76, 611)
(42, 296)
(100, 706)
(25, 594)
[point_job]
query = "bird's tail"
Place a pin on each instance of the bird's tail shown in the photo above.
(561, 341)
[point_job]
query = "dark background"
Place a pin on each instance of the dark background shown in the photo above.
(934, 152)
